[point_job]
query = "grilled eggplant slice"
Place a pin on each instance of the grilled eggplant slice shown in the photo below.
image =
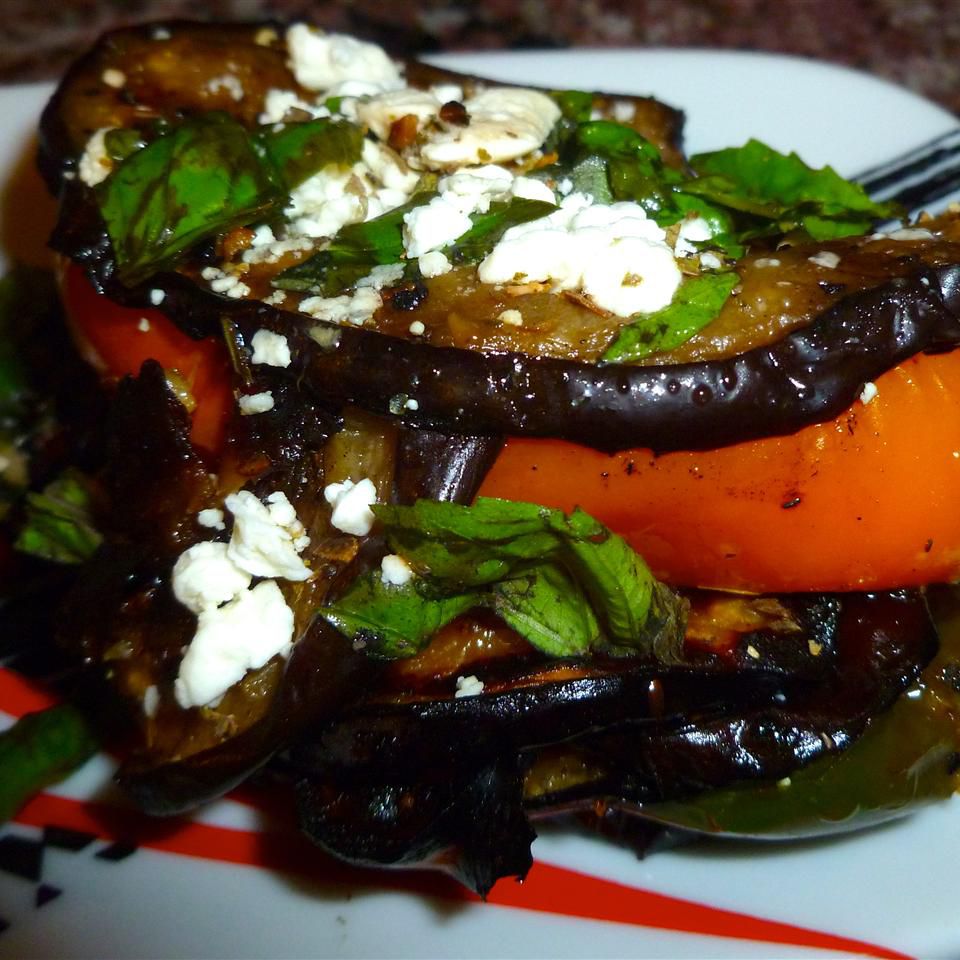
(393, 781)
(771, 363)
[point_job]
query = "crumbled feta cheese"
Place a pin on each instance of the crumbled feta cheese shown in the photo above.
(238, 628)
(276, 298)
(351, 504)
(241, 635)
(278, 103)
(825, 258)
(395, 570)
(143, 325)
(270, 348)
(468, 687)
(334, 197)
(692, 230)
(151, 700)
(477, 186)
(157, 297)
(355, 308)
(433, 225)
(205, 576)
(447, 216)
(227, 82)
(764, 262)
(417, 328)
(95, 164)
(505, 123)
(381, 112)
(615, 254)
(447, 92)
(868, 392)
(387, 169)
(513, 318)
(434, 264)
(268, 538)
(710, 261)
(226, 284)
(321, 60)
(272, 252)
(252, 403)
(263, 236)
(624, 111)
(907, 233)
(211, 518)
(383, 275)
(114, 78)
(565, 186)
(530, 188)
(325, 203)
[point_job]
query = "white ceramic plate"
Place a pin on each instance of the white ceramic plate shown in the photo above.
(235, 882)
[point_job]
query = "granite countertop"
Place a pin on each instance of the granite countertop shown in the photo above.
(915, 43)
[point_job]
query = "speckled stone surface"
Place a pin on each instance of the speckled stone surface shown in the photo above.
(913, 42)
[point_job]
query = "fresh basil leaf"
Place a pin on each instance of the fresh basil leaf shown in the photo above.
(467, 547)
(59, 525)
(203, 177)
(549, 610)
(697, 301)
(591, 176)
(758, 180)
(393, 621)
(575, 105)
(299, 150)
(635, 169)
(567, 584)
(489, 227)
(355, 251)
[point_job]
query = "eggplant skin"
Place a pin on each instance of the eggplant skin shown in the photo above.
(386, 783)
(811, 375)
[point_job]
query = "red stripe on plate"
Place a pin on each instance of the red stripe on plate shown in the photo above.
(547, 889)
(18, 695)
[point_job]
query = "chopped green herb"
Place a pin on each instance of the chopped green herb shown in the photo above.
(299, 150)
(203, 177)
(58, 524)
(565, 583)
(783, 191)
(355, 251)
(489, 227)
(695, 304)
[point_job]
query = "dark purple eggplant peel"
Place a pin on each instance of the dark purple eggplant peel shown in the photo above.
(389, 767)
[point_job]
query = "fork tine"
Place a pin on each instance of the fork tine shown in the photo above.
(922, 175)
(929, 189)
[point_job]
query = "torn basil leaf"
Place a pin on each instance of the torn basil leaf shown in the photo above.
(759, 181)
(697, 301)
(59, 524)
(393, 621)
(547, 607)
(489, 227)
(353, 253)
(565, 583)
(203, 177)
(299, 150)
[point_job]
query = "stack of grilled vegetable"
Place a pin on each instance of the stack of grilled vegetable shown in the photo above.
(662, 570)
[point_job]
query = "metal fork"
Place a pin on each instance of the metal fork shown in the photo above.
(919, 178)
